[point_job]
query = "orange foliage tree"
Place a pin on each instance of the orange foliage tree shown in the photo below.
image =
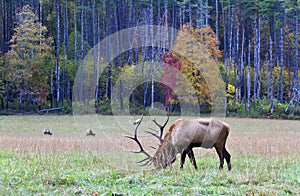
(196, 49)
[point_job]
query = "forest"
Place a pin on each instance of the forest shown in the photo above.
(255, 44)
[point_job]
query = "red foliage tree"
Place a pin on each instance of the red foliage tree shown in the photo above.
(168, 80)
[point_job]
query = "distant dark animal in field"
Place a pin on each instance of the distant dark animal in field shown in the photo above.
(89, 132)
(47, 132)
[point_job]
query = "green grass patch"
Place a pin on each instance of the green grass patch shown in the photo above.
(71, 173)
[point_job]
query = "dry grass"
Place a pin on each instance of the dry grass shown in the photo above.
(265, 143)
(264, 137)
(41, 144)
(248, 136)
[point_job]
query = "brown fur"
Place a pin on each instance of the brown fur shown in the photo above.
(171, 128)
(185, 134)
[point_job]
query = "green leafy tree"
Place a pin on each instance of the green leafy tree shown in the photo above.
(26, 58)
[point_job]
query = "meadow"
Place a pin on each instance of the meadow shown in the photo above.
(265, 159)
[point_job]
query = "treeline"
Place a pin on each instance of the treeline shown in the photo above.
(258, 41)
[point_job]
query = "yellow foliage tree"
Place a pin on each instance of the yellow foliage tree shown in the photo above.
(26, 57)
(198, 52)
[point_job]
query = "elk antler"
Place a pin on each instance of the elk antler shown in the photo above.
(161, 127)
(149, 158)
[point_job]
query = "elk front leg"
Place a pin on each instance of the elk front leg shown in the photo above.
(192, 157)
(227, 157)
(182, 158)
(190, 153)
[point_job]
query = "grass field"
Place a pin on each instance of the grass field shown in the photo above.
(265, 159)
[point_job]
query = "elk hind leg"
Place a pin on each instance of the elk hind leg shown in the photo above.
(227, 157)
(221, 157)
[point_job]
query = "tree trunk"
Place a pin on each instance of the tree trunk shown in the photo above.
(257, 84)
(199, 12)
(107, 44)
(181, 22)
(145, 53)
(206, 13)
(190, 12)
(2, 23)
(66, 49)
(230, 26)
(152, 56)
(166, 38)
(173, 24)
(82, 31)
(236, 65)
(41, 21)
(258, 61)
(225, 54)
(57, 66)
(6, 86)
(95, 26)
(296, 56)
(75, 35)
(249, 77)
(217, 22)
(51, 77)
(242, 68)
(270, 79)
(281, 76)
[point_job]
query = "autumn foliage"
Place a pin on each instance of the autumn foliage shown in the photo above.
(168, 81)
(191, 65)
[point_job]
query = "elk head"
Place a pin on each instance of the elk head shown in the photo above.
(165, 154)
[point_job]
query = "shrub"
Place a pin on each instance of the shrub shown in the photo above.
(260, 108)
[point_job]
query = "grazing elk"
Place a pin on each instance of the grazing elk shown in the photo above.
(185, 134)
(90, 132)
(47, 132)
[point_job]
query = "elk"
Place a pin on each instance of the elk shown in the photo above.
(182, 136)
(47, 132)
(90, 132)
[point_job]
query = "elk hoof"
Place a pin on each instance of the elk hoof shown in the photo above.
(229, 167)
